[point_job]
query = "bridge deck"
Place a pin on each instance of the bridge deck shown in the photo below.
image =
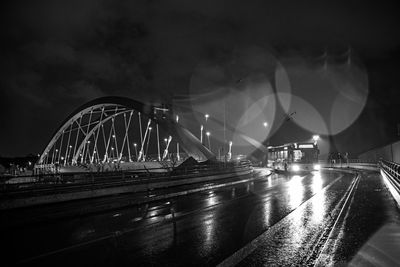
(366, 233)
(320, 218)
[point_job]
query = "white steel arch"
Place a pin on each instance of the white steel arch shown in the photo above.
(92, 134)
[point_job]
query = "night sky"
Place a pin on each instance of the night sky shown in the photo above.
(57, 55)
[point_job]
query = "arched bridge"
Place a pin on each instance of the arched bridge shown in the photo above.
(120, 129)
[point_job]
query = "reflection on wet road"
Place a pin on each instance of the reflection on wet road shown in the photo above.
(199, 229)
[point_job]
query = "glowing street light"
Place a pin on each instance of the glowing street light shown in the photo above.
(135, 145)
(69, 152)
(201, 133)
(208, 137)
(206, 116)
(265, 124)
(148, 142)
(230, 151)
(112, 152)
(315, 138)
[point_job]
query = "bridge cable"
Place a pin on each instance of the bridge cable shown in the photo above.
(66, 151)
(77, 136)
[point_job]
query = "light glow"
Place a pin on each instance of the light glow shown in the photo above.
(295, 168)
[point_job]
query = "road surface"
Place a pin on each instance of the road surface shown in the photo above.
(321, 218)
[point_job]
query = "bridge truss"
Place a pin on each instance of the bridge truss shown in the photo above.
(117, 129)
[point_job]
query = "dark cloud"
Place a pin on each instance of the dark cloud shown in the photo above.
(58, 54)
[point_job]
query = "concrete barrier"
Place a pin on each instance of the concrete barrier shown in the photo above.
(362, 166)
(128, 188)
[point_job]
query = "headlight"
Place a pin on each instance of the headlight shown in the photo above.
(317, 167)
(295, 168)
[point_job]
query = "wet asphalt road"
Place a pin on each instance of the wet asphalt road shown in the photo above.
(289, 212)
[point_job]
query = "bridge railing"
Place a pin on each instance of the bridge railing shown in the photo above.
(56, 181)
(392, 168)
(391, 174)
(349, 163)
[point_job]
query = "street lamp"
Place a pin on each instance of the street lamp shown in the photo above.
(148, 141)
(265, 124)
(201, 134)
(135, 145)
(230, 151)
(206, 116)
(315, 138)
(69, 152)
(208, 137)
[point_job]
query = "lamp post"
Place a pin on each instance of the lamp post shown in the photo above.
(167, 141)
(315, 138)
(69, 152)
(230, 151)
(201, 134)
(205, 124)
(208, 137)
(87, 150)
(178, 157)
(148, 141)
(93, 158)
(135, 146)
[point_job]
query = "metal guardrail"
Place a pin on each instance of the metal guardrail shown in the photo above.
(60, 181)
(348, 161)
(391, 168)
(351, 163)
(391, 173)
